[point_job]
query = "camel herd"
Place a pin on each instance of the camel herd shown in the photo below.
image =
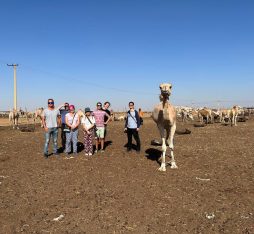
(15, 115)
(207, 115)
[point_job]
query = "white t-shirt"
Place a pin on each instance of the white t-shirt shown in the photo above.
(51, 117)
(70, 119)
(86, 122)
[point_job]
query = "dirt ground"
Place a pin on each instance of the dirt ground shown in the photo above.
(212, 191)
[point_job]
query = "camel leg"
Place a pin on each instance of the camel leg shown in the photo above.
(171, 146)
(164, 148)
(17, 124)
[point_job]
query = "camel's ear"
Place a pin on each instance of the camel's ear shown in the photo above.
(171, 86)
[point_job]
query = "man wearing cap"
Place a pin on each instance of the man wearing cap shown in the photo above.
(99, 116)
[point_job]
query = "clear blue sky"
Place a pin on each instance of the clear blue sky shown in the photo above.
(89, 51)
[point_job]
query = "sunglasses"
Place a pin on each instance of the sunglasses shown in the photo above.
(99, 105)
(50, 102)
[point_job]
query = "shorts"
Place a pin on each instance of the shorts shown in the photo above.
(100, 133)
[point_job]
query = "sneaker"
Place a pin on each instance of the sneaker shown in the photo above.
(90, 154)
(45, 155)
(128, 149)
(86, 154)
(102, 150)
(96, 151)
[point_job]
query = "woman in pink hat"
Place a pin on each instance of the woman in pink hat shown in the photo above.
(72, 121)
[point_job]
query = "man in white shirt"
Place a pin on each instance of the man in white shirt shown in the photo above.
(51, 120)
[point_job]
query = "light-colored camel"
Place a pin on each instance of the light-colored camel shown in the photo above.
(224, 114)
(38, 114)
(14, 118)
(164, 115)
(185, 115)
(233, 114)
(230, 114)
(120, 118)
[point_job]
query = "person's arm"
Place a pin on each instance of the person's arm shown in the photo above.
(59, 121)
(126, 122)
(44, 123)
(108, 116)
(138, 121)
(59, 107)
(77, 124)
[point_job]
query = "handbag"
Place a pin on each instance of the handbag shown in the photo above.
(67, 128)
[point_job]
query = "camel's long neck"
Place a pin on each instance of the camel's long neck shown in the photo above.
(165, 102)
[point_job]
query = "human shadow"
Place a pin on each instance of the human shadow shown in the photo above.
(80, 147)
(133, 146)
(61, 150)
(107, 143)
(153, 154)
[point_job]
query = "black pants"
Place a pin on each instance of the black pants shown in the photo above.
(63, 135)
(133, 132)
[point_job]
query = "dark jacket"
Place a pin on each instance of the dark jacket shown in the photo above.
(136, 116)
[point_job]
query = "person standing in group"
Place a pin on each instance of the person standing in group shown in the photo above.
(88, 123)
(106, 109)
(99, 116)
(72, 121)
(132, 126)
(141, 115)
(63, 113)
(51, 120)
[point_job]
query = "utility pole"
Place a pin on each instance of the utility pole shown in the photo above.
(15, 86)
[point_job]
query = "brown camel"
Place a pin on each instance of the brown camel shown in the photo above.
(164, 115)
(205, 113)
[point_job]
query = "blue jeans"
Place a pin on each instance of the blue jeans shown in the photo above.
(54, 133)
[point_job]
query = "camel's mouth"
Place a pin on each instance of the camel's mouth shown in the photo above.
(165, 93)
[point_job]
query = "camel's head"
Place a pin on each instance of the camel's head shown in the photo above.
(165, 90)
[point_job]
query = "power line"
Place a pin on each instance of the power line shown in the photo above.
(92, 84)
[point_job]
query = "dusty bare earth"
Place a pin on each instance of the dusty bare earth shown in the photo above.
(212, 191)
